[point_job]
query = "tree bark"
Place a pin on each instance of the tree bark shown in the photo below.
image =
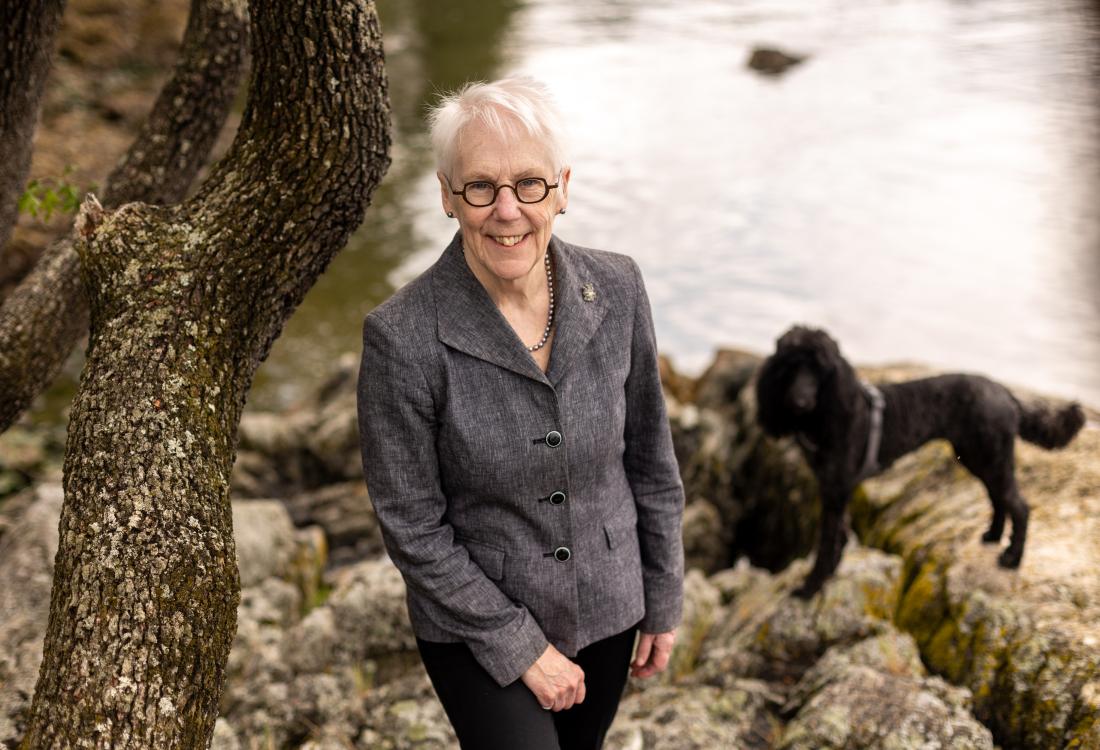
(45, 316)
(27, 31)
(185, 303)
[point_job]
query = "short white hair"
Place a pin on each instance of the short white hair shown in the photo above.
(507, 107)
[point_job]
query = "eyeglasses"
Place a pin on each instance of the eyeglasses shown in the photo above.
(481, 193)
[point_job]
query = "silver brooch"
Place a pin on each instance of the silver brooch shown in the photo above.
(588, 292)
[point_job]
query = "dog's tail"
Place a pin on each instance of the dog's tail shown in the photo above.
(1049, 426)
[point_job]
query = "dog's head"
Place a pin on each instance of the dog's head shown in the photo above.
(790, 383)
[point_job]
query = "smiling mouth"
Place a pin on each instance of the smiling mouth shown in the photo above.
(509, 240)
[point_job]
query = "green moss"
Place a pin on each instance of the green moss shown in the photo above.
(922, 607)
(729, 706)
(318, 596)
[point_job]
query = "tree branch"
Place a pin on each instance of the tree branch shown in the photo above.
(45, 316)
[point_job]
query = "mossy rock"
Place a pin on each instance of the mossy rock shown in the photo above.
(1025, 642)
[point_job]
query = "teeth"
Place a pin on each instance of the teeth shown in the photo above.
(509, 241)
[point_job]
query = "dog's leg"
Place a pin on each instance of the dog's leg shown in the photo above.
(1018, 510)
(829, 547)
(994, 464)
(985, 468)
(839, 542)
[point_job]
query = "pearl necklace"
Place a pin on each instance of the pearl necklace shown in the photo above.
(550, 312)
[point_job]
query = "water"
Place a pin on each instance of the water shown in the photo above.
(926, 185)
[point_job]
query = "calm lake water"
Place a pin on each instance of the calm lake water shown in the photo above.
(926, 185)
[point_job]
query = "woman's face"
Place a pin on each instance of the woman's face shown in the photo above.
(506, 240)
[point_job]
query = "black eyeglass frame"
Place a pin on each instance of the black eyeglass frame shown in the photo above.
(497, 188)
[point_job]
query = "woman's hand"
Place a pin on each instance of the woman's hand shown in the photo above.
(651, 655)
(556, 681)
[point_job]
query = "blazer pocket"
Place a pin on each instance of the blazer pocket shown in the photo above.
(489, 558)
(617, 535)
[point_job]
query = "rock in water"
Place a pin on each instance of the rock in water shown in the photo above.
(773, 62)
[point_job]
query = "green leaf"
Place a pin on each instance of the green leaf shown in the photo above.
(28, 203)
(49, 202)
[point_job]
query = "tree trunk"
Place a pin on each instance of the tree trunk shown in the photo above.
(185, 303)
(44, 317)
(27, 30)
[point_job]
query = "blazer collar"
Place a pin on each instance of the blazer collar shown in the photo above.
(469, 321)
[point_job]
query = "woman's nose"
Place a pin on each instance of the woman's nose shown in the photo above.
(507, 204)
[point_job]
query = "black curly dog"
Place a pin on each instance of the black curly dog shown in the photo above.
(849, 430)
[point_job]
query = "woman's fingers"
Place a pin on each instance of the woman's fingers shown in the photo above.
(556, 681)
(653, 652)
(641, 653)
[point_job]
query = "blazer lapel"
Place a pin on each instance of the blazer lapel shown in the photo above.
(580, 306)
(470, 322)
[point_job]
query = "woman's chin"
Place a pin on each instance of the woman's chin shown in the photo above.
(513, 261)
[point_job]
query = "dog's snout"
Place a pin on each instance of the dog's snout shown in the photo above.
(802, 396)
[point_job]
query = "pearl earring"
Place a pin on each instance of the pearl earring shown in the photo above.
(450, 214)
(561, 210)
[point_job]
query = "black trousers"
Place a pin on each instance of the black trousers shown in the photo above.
(486, 716)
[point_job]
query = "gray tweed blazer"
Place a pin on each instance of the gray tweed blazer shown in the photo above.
(521, 507)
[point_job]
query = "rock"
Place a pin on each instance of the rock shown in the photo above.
(677, 387)
(767, 633)
(13, 506)
(859, 707)
(368, 604)
(364, 617)
(702, 530)
(28, 455)
(273, 435)
(722, 381)
(345, 512)
(312, 446)
(265, 540)
(272, 460)
(271, 602)
(765, 494)
(224, 737)
(253, 476)
(406, 715)
(1026, 642)
(333, 438)
(694, 718)
(773, 62)
(326, 705)
(27, 554)
(702, 601)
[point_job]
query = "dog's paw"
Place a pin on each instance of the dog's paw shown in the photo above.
(1010, 558)
(992, 536)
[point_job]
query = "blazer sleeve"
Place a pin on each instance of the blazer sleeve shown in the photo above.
(397, 430)
(654, 476)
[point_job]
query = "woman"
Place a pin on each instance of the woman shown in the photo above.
(516, 447)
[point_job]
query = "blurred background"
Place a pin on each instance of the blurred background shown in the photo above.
(925, 184)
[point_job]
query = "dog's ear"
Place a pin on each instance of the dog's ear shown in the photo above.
(772, 380)
(826, 352)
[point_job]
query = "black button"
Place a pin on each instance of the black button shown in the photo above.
(553, 438)
(557, 498)
(561, 554)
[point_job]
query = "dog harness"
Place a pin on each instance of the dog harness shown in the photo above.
(874, 437)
